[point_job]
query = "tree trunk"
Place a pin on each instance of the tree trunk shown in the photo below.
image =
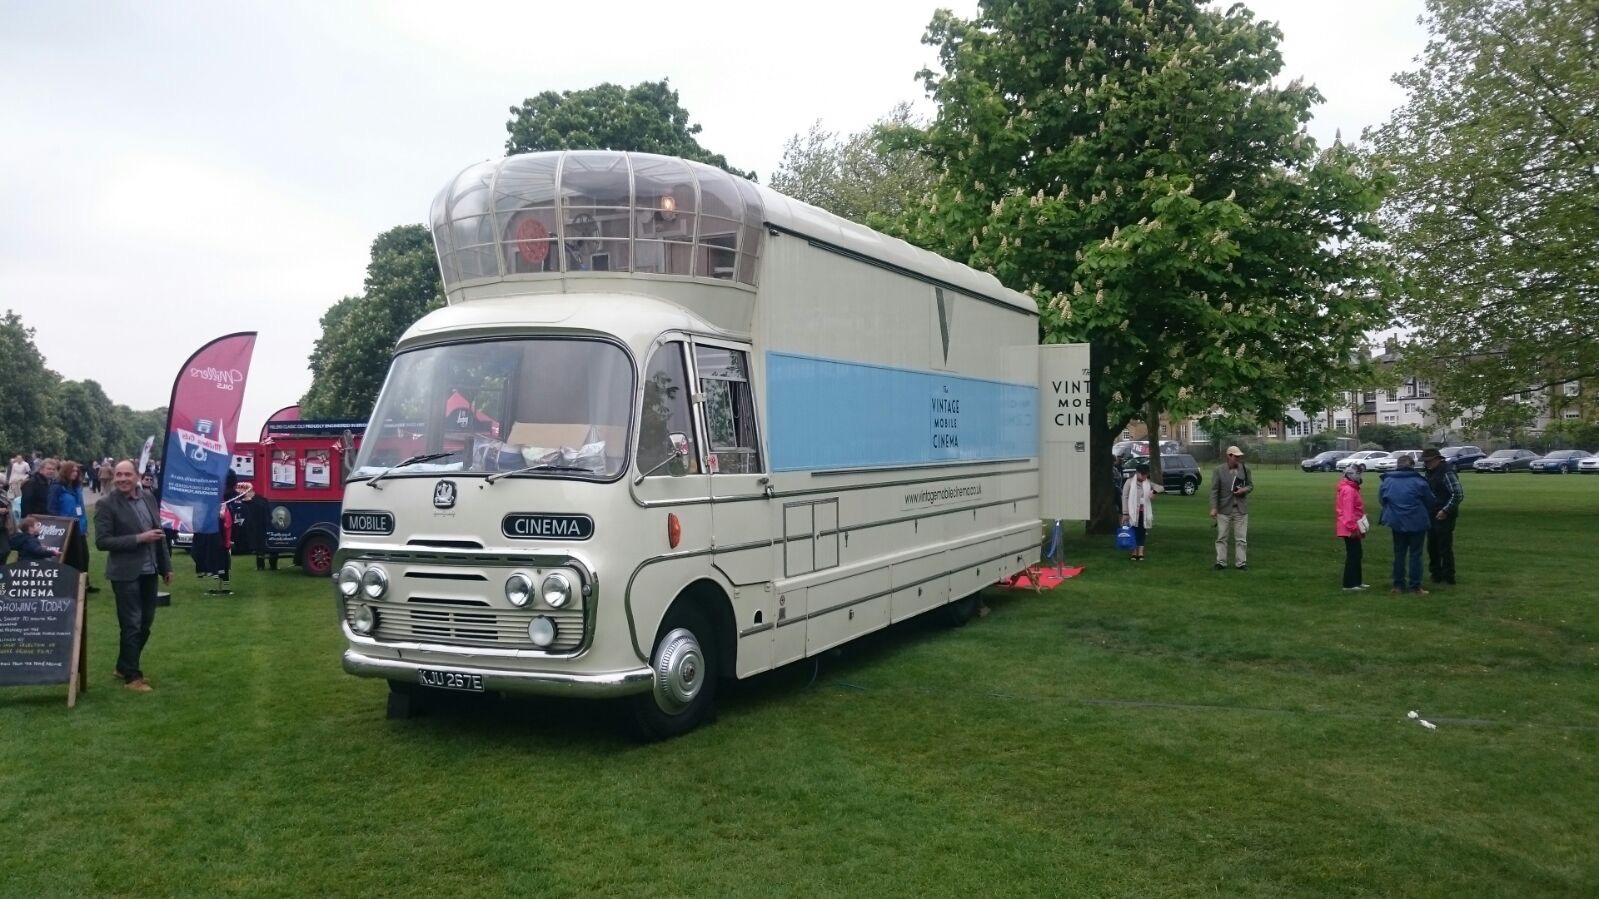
(1152, 419)
(1103, 517)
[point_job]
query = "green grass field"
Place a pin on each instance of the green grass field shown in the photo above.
(1153, 730)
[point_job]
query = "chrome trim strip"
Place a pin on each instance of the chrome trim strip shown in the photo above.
(810, 491)
(757, 629)
(541, 683)
(916, 466)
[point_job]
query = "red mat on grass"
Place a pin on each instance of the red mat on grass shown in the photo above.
(1042, 578)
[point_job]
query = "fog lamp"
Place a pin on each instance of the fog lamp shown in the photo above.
(365, 619)
(541, 631)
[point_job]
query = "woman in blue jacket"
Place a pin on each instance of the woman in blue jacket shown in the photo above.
(1407, 507)
(66, 501)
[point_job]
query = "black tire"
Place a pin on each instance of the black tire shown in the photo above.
(957, 613)
(316, 558)
(1190, 486)
(685, 659)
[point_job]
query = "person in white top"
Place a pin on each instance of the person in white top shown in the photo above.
(1138, 507)
(16, 473)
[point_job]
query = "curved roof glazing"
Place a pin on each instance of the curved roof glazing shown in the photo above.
(596, 211)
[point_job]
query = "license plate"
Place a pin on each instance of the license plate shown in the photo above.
(450, 680)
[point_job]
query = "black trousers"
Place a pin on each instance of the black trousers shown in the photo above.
(1441, 550)
(135, 615)
(1354, 551)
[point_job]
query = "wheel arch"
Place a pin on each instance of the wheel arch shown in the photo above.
(711, 599)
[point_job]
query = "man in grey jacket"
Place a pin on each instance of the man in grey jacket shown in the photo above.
(1230, 486)
(127, 526)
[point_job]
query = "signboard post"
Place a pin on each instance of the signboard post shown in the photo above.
(1065, 397)
(41, 626)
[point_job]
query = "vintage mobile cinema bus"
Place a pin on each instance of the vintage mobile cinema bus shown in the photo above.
(672, 426)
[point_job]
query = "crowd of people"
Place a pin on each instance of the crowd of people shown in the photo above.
(1419, 508)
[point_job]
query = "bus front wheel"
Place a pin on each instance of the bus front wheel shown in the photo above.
(683, 695)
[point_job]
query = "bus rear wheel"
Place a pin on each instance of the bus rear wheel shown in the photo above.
(317, 558)
(684, 688)
(957, 613)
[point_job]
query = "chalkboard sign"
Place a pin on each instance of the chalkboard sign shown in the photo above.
(41, 625)
(55, 531)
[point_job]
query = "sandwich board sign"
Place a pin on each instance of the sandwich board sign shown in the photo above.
(41, 626)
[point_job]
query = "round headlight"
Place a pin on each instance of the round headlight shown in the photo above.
(365, 619)
(518, 589)
(557, 590)
(375, 582)
(349, 579)
(541, 631)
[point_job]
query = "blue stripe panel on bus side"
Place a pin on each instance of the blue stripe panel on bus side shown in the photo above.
(824, 413)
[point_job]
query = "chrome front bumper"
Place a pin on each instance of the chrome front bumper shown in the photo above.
(538, 683)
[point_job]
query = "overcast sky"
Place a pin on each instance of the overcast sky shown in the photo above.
(174, 171)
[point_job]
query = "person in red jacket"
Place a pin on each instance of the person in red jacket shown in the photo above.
(1350, 512)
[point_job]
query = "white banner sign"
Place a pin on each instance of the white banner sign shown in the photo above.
(1065, 394)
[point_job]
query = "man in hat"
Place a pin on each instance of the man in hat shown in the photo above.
(1448, 495)
(1230, 486)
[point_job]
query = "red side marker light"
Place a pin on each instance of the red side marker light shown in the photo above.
(674, 530)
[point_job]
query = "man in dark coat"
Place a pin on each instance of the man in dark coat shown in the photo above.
(36, 489)
(1448, 494)
(127, 526)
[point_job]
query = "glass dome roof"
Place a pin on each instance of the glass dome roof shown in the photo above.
(570, 211)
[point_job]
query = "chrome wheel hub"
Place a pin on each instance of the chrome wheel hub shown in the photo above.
(679, 671)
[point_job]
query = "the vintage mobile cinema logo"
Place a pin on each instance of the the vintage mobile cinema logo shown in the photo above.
(444, 495)
(362, 521)
(546, 526)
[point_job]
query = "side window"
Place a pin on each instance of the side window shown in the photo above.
(666, 412)
(729, 410)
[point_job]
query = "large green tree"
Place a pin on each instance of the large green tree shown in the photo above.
(1136, 166)
(1495, 216)
(351, 357)
(644, 118)
(861, 176)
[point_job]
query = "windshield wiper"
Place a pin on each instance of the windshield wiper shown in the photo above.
(414, 460)
(542, 466)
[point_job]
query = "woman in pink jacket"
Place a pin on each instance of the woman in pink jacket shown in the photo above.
(1352, 525)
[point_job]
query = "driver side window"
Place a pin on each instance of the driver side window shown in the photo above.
(667, 412)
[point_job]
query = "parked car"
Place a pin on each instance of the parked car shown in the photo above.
(1141, 447)
(1391, 461)
(1501, 461)
(1589, 465)
(1462, 458)
(1364, 457)
(1179, 472)
(1559, 462)
(1324, 461)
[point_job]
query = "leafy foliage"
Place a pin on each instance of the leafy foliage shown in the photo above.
(644, 118)
(351, 358)
(1496, 154)
(1136, 169)
(868, 177)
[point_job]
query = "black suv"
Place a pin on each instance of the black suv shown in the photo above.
(1462, 458)
(1178, 472)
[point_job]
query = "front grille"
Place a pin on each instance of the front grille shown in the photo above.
(455, 624)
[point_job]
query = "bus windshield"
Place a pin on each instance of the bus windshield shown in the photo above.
(558, 406)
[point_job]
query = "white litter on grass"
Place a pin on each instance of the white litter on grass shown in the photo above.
(1416, 717)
